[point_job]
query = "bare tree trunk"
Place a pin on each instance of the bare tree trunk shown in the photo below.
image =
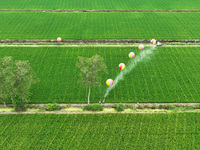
(4, 103)
(89, 95)
(22, 93)
(12, 99)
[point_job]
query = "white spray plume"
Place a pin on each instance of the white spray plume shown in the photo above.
(130, 65)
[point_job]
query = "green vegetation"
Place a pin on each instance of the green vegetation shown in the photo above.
(120, 107)
(90, 68)
(170, 75)
(100, 131)
(93, 107)
(112, 25)
(16, 78)
(52, 107)
(161, 107)
(154, 107)
(99, 4)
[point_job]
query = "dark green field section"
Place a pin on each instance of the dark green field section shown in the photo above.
(167, 75)
(95, 25)
(100, 131)
(99, 4)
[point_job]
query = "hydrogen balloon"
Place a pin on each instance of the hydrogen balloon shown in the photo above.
(141, 47)
(153, 41)
(121, 66)
(59, 39)
(131, 55)
(109, 82)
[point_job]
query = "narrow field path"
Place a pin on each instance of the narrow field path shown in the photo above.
(92, 112)
(99, 10)
(107, 106)
(99, 45)
(111, 104)
(85, 41)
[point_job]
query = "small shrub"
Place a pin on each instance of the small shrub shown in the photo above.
(86, 107)
(120, 107)
(134, 107)
(93, 107)
(114, 106)
(190, 107)
(170, 107)
(97, 107)
(19, 105)
(56, 106)
(52, 107)
(33, 106)
(128, 106)
(42, 108)
(140, 107)
(154, 107)
(161, 107)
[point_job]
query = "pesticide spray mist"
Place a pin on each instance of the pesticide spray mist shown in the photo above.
(130, 65)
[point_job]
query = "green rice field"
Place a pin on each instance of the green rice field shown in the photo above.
(171, 74)
(163, 74)
(95, 25)
(99, 4)
(100, 131)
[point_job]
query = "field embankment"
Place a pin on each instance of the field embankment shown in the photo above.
(97, 41)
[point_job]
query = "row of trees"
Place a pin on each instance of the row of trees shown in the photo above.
(16, 78)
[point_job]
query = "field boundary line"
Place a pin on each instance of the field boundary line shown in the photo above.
(134, 45)
(99, 10)
(97, 40)
(107, 104)
(90, 112)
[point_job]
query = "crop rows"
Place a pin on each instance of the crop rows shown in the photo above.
(100, 131)
(169, 75)
(113, 25)
(102, 4)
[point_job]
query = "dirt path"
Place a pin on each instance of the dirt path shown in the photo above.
(107, 106)
(99, 45)
(111, 104)
(86, 41)
(99, 10)
(98, 112)
(79, 112)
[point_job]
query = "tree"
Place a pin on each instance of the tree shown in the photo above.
(5, 72)
(89, 71)
(22, 78)
(15, 81)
